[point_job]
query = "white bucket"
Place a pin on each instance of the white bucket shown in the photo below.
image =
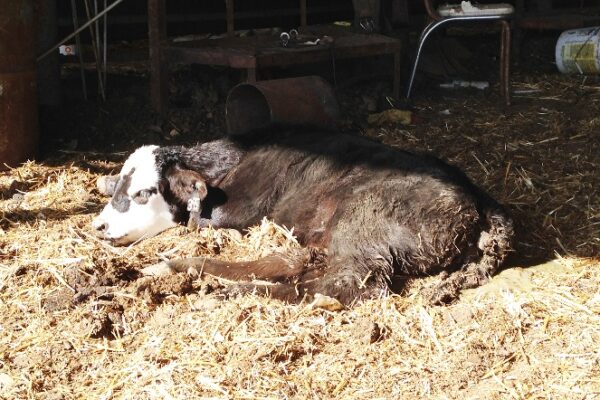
(578, 51)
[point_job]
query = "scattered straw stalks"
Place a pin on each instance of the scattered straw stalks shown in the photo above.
(75, 323)
(531, 333)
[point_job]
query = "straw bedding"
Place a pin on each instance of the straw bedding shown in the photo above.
(77, 320)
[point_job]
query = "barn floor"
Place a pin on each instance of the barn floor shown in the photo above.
(78, 321)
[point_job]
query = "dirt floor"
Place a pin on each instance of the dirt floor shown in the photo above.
(78, 321)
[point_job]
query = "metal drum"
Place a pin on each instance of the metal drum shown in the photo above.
(18, 93)
(307, 100)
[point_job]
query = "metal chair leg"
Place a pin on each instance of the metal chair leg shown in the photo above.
(505, 61)
(502, 61)
(424, 35)
(504, 50)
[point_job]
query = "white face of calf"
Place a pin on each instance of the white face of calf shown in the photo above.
(137, 208)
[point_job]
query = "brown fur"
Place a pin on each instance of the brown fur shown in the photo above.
(367, 210)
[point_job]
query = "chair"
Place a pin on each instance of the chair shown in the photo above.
(466, 12)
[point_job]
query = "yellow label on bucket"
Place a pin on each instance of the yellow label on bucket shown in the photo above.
(580, 57)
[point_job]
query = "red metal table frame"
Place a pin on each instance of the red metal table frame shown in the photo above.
(255, 52)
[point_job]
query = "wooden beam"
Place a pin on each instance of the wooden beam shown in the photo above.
(157, 33)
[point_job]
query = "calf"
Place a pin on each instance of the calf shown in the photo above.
(362, 211)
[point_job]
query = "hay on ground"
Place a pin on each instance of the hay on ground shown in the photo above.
(78, 321)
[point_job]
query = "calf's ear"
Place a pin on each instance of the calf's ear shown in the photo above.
(183, 183)
(106, 184)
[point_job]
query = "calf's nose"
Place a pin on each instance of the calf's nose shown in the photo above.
(100, 226)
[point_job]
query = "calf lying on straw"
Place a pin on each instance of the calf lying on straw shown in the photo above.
(363, 212)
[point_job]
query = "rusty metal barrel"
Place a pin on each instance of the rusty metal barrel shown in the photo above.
(18, 98)
(307, 100)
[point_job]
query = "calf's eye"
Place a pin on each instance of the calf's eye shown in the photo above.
(142, 196)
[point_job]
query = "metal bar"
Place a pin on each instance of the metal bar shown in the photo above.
(95, 48)
(97, 30)
(81, 28)
(105, 58)
(505, 60)
(99, 65)
(502, 62)
(79, 49)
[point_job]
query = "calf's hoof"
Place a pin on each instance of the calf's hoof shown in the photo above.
(236, 290)
(159, 269)
(442, 293)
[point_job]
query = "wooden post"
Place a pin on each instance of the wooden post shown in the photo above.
(303, 11)
(229, 10)
(157, 33)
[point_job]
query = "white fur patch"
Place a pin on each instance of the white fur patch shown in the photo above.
(146, 172)
(140, 220)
